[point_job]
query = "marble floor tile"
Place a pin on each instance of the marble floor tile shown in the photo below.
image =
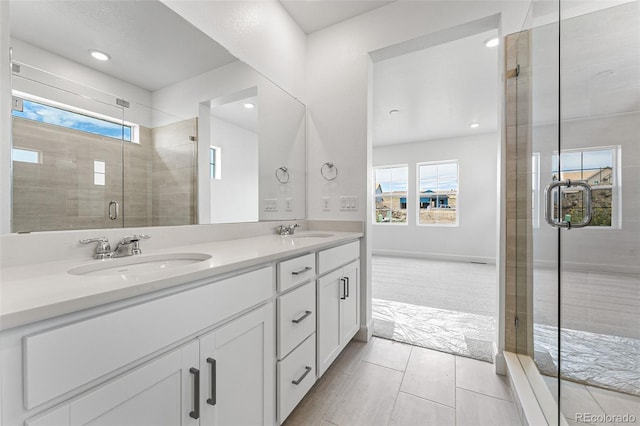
(615, 403)
(411, 411)
(368, 398)
(351, 356)
(431, 375)
(475, 409)
(480, 377)
(388, 353)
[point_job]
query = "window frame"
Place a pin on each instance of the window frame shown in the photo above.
(375, 182)
(616, 187)
(134, 129)
(417, 193)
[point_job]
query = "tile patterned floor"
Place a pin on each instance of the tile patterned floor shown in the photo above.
(389, 383)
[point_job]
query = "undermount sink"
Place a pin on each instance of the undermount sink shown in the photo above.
(313, 235)
(138, 265)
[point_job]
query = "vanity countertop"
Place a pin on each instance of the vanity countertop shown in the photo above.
(45, 290)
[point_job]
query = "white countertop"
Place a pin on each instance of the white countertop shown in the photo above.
(45, 290)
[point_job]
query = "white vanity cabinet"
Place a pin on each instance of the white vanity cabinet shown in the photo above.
(237, 371)
(296, 367)
(338, 301)
(161, 392)
(222, 378)
(149, 363)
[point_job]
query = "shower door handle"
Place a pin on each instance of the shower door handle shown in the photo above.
(548, 205)
(114, 209)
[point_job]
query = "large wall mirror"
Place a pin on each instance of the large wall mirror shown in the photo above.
(170, 129)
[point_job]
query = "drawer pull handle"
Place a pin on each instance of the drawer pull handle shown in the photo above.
(344, 288)
(195, 414)
(299, 320)
(348, 286)
(302, 271)
(306, 371)
(212, 400)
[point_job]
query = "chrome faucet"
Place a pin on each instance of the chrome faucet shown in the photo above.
(287, 229)
(128, 246)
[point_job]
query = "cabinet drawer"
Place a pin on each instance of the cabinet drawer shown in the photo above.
(60, 360)
(335, 257)
(296, 271)
(296, 375)
(296, 317)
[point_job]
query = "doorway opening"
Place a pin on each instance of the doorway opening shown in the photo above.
(436, 138)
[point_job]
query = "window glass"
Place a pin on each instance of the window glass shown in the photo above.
(597, 168)
(438, 193)
(60, 117)
(391, 194)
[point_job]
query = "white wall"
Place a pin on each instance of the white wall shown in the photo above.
(234, 197)
(474, 239)
(260, 33)
(337, 87)
(73, 78)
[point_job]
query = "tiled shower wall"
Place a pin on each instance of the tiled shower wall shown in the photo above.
(59, 193)
(519, 242)
(175, 174)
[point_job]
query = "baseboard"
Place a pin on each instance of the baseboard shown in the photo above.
(366, 332)
(499, 363)
(434, 256)
(587, 267)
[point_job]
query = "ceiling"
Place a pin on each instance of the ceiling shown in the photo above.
(150, 45)
(438, 92)
(314, 15)
(236, 113)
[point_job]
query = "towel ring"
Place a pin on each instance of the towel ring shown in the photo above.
(329, 171)
(282, 174)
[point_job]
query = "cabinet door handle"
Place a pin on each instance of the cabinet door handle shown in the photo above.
(306, 371)
(302, 271)
(196, 393)
(348, 286)
(212, 400)
(299, 320)
(344, 288)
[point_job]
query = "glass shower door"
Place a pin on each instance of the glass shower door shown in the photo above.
(599, 345)
(67, 146)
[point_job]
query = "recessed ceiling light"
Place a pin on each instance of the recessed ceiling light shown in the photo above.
(474, 125)
(394, 111)
(492, 42)
(101, 56)
(249, 105)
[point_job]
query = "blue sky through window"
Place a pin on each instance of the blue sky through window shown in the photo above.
(438, 177)
(72, 120)
(392, 179)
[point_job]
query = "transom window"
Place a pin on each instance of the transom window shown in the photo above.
(57, 116)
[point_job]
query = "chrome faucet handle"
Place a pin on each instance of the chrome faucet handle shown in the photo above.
(292, 228)
(136, 243)
(103, 249)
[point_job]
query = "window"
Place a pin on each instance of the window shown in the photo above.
(26, 155)
(215, 170)
(597, 167)
(73, 120)
(99, 173)
(438, 193)
(391, 194)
